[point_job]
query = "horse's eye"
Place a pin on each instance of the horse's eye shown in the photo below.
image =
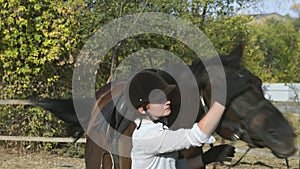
(241, 75)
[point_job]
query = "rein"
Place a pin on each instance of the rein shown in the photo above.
(107, 152)
(109, 141)
(111, 157)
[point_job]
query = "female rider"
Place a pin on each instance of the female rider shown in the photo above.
(154, 146)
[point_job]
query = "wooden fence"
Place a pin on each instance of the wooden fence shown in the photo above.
(83, 140)
(41, 139)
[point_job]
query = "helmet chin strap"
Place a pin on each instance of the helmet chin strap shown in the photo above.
(147, 114)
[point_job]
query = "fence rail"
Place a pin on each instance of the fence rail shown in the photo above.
(41, 139)
(282, 92)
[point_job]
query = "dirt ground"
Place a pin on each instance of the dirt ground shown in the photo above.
(255, 159)
(43, 160)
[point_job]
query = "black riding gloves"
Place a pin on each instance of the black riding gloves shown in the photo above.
(218, 153)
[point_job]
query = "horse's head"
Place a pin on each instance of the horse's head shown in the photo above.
(259, 122)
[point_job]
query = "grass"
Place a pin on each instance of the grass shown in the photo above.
(294, 119)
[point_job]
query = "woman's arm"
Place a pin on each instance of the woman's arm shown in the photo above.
(210, 121)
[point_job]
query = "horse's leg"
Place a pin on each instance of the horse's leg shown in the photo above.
(193, 156)
(93, 155)
(125, 147)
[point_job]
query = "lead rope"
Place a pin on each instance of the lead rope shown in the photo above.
(236, 163)
(235, 138)
(287, 163)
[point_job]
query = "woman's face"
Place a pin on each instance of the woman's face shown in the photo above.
(159, 110)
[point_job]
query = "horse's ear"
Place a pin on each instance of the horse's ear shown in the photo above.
(200, 73)
(237, 52)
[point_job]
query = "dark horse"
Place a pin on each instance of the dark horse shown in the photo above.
(249, 117)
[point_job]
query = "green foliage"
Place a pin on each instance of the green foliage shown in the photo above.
(36, 44)
(272, 52)
(226, 32)
(27, 121)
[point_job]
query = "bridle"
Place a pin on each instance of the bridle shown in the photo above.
(241, 131)
(244, 75)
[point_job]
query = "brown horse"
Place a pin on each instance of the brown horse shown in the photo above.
(249, 117)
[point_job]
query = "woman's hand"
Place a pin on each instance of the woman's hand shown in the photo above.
(218, 153)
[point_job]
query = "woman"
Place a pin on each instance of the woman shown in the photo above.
(156, 147)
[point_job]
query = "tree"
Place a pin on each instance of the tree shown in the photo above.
(212, 17)
(37, 41)
(37, 45)
(272, 52)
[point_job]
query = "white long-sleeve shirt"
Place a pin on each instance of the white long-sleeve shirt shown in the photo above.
(154, 146)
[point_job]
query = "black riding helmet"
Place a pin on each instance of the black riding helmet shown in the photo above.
(148, 86)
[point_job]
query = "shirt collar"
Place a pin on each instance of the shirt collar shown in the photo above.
(144, 121)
